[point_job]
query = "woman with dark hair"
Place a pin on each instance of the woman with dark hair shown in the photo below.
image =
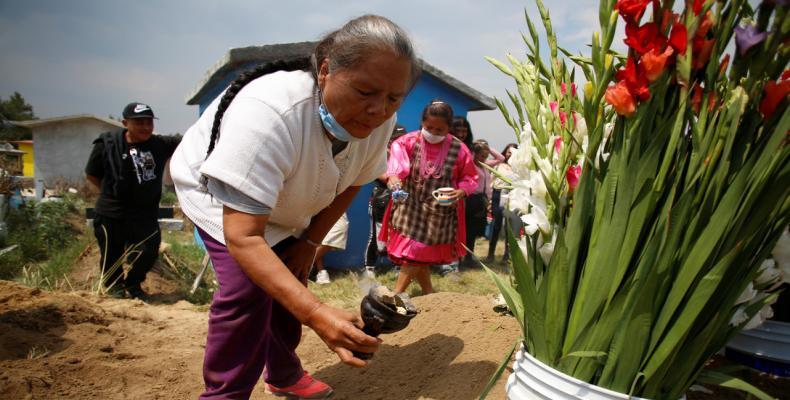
(461, 129)
(264, 174)
(498, 198)
(437, 172)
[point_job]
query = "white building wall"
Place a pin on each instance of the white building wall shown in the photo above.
(62, 149)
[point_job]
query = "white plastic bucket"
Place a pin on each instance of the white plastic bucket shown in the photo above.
(533, 380)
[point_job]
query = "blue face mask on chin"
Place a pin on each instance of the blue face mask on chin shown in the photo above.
(333, 127)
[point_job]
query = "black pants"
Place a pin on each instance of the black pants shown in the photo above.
(475, 220)
(376, 215)
(496, 212)
(140, 235)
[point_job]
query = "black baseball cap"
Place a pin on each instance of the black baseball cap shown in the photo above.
(138, 110)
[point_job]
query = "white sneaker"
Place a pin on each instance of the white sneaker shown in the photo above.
(322, 278)
(369, 273)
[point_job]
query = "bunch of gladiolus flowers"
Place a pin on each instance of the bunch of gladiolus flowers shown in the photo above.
(652, 201)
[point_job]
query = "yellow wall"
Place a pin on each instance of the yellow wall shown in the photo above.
(27, 158)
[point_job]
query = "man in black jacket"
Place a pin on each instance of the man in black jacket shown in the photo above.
(127, 166)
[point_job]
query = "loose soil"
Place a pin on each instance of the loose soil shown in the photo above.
(79, 346)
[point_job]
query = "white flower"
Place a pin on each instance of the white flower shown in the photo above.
(768, 274)
(547, 249)
(518, 198)
(765, 313)
(607, 130)
(522, 244)
(781, 254)
(526, 134)
(739, 317)
(535, 220)
(758, 319)
(748, 294)
(521, 160)
(580, 129)
(544, 165)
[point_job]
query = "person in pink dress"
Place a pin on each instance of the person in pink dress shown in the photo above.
(419, 231)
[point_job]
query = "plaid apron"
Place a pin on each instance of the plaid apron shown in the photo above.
(420, 217)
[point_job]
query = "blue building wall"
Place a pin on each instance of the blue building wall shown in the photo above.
(428, 88)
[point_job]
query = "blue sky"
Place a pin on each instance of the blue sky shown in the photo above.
(94, 56)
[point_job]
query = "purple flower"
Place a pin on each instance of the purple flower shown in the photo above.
(746, 36)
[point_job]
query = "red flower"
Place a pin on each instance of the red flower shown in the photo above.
(725, 62)
(644, 38)
(696, 98)
(667, 19)
(713, 98)
(620, 98)
(635, 79)
(654, 63)
(774, 94)
(702, 49)
(697, 7)
(704, 26)
(631, 10)
(572, 175)
(557, 144)
(677, 39)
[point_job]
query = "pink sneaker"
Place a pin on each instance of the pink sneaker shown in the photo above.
(306, 388)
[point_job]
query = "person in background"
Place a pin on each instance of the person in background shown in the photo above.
(264, 174)
(127, 166)
(418, 230)
(461, 129)
(379, 199)
(498, 200)
(335, 240)
(477, 203)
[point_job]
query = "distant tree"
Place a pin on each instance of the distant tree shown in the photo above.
(15, 109)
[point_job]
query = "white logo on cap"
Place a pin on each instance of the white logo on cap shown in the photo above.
(140, 108)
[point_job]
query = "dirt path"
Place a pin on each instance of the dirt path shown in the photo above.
(77, 346)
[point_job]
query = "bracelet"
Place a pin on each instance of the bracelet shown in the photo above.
(310, 242)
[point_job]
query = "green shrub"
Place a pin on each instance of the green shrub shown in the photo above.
(41, 230)
(168, 198)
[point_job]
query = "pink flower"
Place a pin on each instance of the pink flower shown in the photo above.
(557, 144)
(563, 89)
(572, 175)
(554, 110)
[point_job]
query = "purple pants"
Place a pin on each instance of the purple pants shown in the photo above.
(247, 331)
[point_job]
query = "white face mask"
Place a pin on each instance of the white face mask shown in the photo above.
(431, 138)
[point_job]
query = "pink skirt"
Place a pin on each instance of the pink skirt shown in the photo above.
(405, 250)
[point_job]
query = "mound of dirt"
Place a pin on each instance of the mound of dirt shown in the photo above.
(77, 346)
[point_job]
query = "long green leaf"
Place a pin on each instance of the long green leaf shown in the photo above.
(719, 379)
(498, 372)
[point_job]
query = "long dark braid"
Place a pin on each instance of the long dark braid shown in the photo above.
(245, 78)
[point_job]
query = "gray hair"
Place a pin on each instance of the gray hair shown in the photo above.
(354, 42)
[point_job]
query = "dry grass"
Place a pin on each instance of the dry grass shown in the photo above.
(346, 290)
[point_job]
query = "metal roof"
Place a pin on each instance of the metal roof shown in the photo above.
(288, 51)
(34, 123)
